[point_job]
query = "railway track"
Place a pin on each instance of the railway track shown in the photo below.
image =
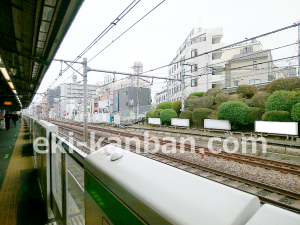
(283, 167)
(266, 193)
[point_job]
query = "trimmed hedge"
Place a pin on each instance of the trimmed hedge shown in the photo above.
(282, 116)
(198, 94)
(164, 105)
(253, 114)
(187, 114)
(206, 102)
(200, 114)
(192, 97)
(176, 106)
(203, 102)
(149, 114)
(166, 116)
(213, 92)
(221, 97)
(295, 113)
(156, 113)
(259, 99)
(282, 101)
(287, 84)
(234, 111)
(246, 90)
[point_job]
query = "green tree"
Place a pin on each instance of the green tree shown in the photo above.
(198, 94)
(253, 114)
(166, 116)
(164, 105)
(296, 112)
(149, 114)
(287, 84)
(246, 90)
(282, 101)
(187, 114)
(281, 116)
(234, 111)
(200, 114)
(177, 107)
(259, 99)
(213, 92)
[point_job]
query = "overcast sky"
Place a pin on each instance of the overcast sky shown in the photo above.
(155, 40)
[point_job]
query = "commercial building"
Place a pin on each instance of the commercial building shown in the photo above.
(71, 95)
(125, 100)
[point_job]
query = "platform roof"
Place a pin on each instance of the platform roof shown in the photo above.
(31, 32)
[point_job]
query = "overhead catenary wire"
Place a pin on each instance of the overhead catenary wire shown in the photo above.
(227, 46)
(239, 77)
(123, 33)
(101, 35)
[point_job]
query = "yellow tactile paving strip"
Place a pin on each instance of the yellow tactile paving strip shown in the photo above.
(10, 186)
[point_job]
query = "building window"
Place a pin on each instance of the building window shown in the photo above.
(194, 53)
(195, 67)
(236, 83)
(216, 55)
(194, 82)
(254, 81)
(202, 39)
(247, 49)
(254, 65)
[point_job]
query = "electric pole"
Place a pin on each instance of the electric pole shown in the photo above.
(85, 99)
(207, 72)
(299, 49)
(137, 93)
(182, 86)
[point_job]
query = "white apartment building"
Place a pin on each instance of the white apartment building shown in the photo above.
(248, 63)
(198, 75)
(71, 96)
(161, 97)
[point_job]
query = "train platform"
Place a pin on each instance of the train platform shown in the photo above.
(20, 197)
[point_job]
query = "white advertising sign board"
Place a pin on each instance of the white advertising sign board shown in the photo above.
(116, 119)
(155, 121)
(271, 127)
(180, 122)
(97, 116)
(105, 118)
(217, 124)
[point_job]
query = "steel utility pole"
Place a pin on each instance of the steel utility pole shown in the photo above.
(207, 72)
(85, 99)
(299, 49)
(182, 87)
(168, 90)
